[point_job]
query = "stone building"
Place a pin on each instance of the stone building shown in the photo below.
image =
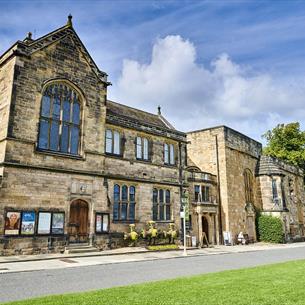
(76, 167)
(247, 182)
(233, 158)
(282, 192)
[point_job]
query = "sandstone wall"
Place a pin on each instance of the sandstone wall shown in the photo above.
(60, 60)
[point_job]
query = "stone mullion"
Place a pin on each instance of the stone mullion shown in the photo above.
(51, 116)
(60, 122)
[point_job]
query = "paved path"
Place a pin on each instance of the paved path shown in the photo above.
(131, 269)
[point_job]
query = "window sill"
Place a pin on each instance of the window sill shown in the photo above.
(163, 221)
(113, 155)
(124, 221)
(58, 154)
(170, 165)
(143, 160)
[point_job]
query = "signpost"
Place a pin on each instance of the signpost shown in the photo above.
(184, 201)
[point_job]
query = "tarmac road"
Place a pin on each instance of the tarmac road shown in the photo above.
(24, 285)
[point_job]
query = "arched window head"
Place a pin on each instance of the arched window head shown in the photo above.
(248, 180)
(59, 125)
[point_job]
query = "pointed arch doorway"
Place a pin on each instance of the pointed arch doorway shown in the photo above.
(78, 221)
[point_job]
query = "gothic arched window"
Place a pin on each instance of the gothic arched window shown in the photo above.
(59, 126)
(248, 179)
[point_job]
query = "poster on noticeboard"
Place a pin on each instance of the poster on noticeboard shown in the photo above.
(58, 221)
(12, 223)
(28, 223)
(44, 223)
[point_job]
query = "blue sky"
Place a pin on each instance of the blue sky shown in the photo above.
(239, 63)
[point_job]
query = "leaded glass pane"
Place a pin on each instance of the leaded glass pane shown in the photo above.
(74, 140)
(168, 212)
(124, 193)
(172, 154)
(132, 211)
(132, 194)
(139, 148)
(155, 212)
(161, 212)
(108, 141)
(76, 110)
(161, 196)
(46, 105)
(43, 134)
(116, 207)
(123, 211)
(66, 111)
(54, 136)
(145, 149)
(56, 108)
(197, 192)
(167, 196)
(116, 194)
(64, 143)
(116, 144)
(166, 157)
(155, 195)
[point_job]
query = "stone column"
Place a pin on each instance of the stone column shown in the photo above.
(217, 228)
(200, 230)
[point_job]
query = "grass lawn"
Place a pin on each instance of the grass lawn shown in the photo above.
(281, 284)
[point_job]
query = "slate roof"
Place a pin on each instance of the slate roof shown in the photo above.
(272, 166)
(137, 115)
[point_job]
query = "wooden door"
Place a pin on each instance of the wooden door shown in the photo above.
(78, 222)
(205, 227)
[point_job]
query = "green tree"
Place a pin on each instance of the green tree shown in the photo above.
(286, 142)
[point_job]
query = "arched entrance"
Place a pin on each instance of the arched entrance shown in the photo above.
(78, 221)
(205, 228)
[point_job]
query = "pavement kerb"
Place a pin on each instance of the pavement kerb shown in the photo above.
(102, 253)
(93, 254)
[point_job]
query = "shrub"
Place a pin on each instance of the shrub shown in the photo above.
(270, 229)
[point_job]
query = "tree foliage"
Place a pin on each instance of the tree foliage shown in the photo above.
(286, 142)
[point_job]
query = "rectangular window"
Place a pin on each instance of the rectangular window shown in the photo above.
(141, 148)
(124, 206)
(113, 142)
(169, 154)
(161, 209)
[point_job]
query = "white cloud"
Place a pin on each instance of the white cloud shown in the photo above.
(193, 96)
